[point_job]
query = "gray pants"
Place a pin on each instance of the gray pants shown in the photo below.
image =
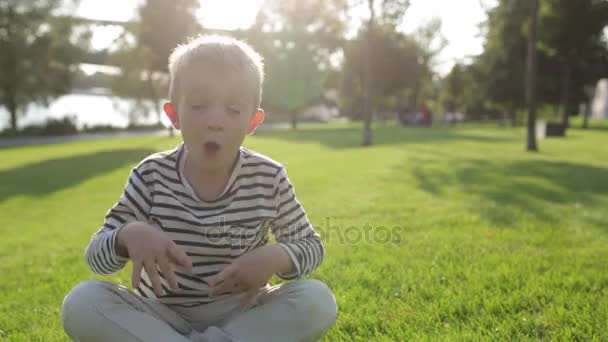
(100, 311)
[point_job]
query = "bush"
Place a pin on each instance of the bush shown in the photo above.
(67, 126)
(101, 129)
(144, 127)
(7, 133)
(63, 126)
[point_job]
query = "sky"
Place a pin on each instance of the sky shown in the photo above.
(460, 20)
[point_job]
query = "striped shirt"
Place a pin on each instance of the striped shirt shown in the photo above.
(258, 199)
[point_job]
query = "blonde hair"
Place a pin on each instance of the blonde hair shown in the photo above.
(221, 51)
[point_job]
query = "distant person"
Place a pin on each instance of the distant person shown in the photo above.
(402, 114)
(426, 115)
(449, 118)
(195, 223)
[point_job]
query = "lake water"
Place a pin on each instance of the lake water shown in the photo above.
(88, 109)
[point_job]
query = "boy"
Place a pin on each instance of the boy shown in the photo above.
(195, 221)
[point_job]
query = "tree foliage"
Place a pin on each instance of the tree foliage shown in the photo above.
(397, 70)
(571, 50)
(40, 53)
(144, 49)
(297, 40)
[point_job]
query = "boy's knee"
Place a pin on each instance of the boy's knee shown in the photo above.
(79, 304)
(319, 300)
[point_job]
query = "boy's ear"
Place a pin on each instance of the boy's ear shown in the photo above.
(171, 114)
(255, 121)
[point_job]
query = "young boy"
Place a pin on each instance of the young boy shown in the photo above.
(195, 222)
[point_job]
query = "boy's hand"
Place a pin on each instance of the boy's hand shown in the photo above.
(250, 271)
(150, 248)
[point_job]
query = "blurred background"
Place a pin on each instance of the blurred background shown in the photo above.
(73, 66)
(471, 237)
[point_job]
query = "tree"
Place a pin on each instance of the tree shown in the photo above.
(573, 35)
(463, 89)
(294, 81)
(145, 47)
(397, 72)
(40, 53)
(571, 53)
(368, 76)
(502, 65)
(139, 82)
(453, 89)
(390, 13)
(297, 39)
(531, 77)
(430, 42)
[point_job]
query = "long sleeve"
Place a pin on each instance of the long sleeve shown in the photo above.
(134, 205)
(293, 231)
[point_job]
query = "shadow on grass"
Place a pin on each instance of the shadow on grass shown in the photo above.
(52, 175)
(508, 189)
(351, 137)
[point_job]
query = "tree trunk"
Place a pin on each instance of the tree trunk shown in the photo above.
(566, 77)
(531, 78)
(153, 96)
(11, 82)
(293, 115)
(13, 111)
(586, 115)
(11, 103)
(513, 115)
(367, 80)
(156, 102)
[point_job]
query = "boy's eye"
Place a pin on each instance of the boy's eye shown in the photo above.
(198, 106)
(234, 110)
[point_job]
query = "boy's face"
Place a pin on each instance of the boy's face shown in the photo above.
(215, 111)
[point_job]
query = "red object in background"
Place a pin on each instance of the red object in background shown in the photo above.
(426, 112)
(426, 115)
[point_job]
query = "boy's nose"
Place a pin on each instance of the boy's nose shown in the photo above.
(215, 126)
(216, 121)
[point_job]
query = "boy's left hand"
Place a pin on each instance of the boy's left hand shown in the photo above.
(250, 271)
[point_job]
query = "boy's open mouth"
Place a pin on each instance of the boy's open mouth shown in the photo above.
(212, 147)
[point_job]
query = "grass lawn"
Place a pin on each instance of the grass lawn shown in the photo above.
(431, 234)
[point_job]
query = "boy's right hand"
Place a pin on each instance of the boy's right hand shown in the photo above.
(149, 247)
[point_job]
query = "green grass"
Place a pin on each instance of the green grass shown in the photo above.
(431, 234)
(577, 122)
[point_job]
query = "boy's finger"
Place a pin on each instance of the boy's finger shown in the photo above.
(226, 286)
(135, 276)
(216, 290)
(168, 272)
(224, 274)
(238, 288)
(222, 282)
(154, 277)
(178, 256)
(216, 279)
(250, 298)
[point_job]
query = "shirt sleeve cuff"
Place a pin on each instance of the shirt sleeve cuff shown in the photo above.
(296, 263)
(117, 259)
